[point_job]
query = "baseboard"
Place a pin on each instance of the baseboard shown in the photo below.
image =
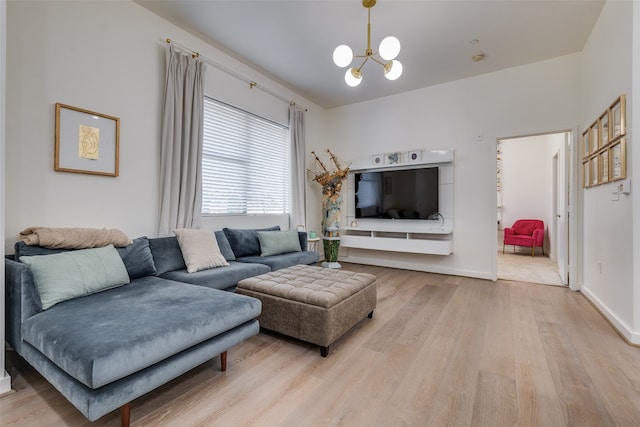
(5, 383)
(438, 269)
(620, 326)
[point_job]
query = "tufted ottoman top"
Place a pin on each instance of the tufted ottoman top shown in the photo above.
(322, 287)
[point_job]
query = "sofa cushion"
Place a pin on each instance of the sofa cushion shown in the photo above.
(199, 249)
(276, 262)
(278, 242)
(244, 242)
(95, 339)
(68, 275)
(137, 256)
(225, 247)
(138, 259)
(524, 227)
(166, 254)
(218, 278)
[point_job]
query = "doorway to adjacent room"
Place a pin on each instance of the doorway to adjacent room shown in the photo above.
(532, 183)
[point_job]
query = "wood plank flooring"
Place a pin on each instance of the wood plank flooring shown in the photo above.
(439, 351)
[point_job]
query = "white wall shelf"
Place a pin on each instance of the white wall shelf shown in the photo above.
(397, 241)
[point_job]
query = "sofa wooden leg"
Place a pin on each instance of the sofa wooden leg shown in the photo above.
(223, 361)
(370, 316)
(533, 251)
(125, 414)
(324, 351)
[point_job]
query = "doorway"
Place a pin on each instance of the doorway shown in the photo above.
(532, 184)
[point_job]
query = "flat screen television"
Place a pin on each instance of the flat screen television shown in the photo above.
(397, 194)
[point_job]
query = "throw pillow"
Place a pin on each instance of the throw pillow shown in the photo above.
(73, 274)
(278, 242)
(199, 249)
(244, 242)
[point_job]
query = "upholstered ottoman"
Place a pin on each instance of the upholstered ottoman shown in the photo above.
(313, 304)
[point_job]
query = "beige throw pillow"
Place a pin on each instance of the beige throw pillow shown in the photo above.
(199, 249)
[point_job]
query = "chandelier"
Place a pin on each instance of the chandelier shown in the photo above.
(388, 51)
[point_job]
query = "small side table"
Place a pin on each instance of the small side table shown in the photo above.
(313, 243)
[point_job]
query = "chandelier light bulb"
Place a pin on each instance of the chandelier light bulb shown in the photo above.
(353, 77)
(342, 55)
(394, 70)
(389, 48)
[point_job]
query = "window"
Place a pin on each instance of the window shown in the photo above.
(245, 163)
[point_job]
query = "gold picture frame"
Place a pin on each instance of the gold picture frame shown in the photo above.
(86, 141)
(586, 177)
(617, 112)
(586, 143)
(593, 169)
(595, 138)
(603, 123)
(603, 166)
(618, 160)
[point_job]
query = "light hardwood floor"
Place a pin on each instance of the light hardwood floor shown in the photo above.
(439, 351)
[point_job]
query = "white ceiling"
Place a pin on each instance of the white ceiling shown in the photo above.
(293, 41)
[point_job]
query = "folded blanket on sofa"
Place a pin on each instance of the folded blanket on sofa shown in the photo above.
(74, 238)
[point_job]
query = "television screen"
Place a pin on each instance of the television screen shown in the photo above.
(397, 194)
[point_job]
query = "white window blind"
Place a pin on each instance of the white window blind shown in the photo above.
(245, 163)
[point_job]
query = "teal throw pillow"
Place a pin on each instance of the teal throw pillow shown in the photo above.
(73, 274)
(278, 242)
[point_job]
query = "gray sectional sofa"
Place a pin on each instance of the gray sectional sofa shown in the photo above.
(103, 350)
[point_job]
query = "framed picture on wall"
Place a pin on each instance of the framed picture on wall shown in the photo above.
(86, 141)
(586, 144)
(618, 159)
(604, 129)
(603, 160)
(617, 111)
(594, 170)
(586, 177)
(595, 132)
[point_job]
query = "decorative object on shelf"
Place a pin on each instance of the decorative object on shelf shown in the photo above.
(437, 216)
(414, 156)
(388, 51)
(378, 159)
(331, 182)
(86, 141)
(392, 158)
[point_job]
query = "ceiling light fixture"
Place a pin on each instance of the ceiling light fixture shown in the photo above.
(388, 51)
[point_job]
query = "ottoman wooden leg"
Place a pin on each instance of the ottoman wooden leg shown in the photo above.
(324, 351)
(370, 316)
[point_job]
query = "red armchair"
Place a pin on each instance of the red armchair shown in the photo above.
(525, 232)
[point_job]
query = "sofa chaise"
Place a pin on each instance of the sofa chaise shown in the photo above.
(103, 350)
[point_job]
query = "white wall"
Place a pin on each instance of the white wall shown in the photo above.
(608, 225)
(527, 181)
(108, 57)
(537, 98)
(5, 379)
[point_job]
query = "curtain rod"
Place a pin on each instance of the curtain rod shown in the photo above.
(252, 84)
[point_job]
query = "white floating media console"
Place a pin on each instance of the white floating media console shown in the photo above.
(403, 235)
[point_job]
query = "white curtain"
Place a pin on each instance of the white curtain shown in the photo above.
(181, 150)
(297, 196)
